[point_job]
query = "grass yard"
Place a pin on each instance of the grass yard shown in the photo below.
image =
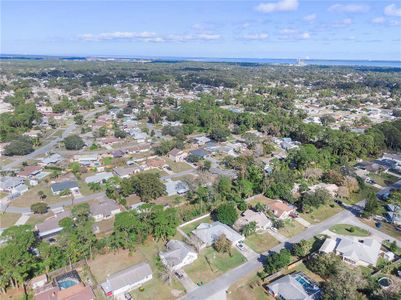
(261, 242)
(249, 288)
(113, 262)
(8, 219)
(38, 218)
(291, 228)
(188, 228)
(383, 179)
(158, 289)
(178, 167)
(158, 171)
(346, 229)
(321, 214)
(31, 197)
(211, 264)
(386, 228)
(361, 195)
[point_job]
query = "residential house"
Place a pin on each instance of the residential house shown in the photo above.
(117, 153)
(201, 140)
(294, 286)
(177, 155)
(280, 209)
(127, 280)
(143, 147)
(200, 153)
(384, 193)
(52, 159)
(176, 187)
(355, 251)
(104, 209)
(50, 226)
(393, 214)
(70, 185)
(178, 255)
(99, 177)
(332, 189)
(209, 233)
(29, 172)
(38, 281)
(126, 172)
(89, 160)
(248, 216)
(396, 157)
(13, 185)
(155, 163)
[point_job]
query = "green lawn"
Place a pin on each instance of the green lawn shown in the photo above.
(321, 214)
(291, 228)
(211, 264)
(188, 228)
(261, 242)
(346, 229)
(249, 288)
(383, 179)
(31, 197)
(178, 167)
(158, 289)
(361, 195)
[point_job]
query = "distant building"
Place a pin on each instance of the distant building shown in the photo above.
(295, 286)
(126, 280)
(178, 255)
(177, 155)
(99, 177)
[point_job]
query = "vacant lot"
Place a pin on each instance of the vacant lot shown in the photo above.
(383, 179)
(158, 289)
(8, 219)
(178, 167)
(188, 228)
(346, 229)
(291, 228)
(31, 197)
(249, 288)
(211, 264)
(321, 214)
(261, 242)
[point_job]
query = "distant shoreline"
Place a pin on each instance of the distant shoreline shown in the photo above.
(278, 61)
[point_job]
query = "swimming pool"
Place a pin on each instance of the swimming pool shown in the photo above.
(67, 283)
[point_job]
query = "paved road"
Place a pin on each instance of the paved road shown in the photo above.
(49, 146)
(223, 282)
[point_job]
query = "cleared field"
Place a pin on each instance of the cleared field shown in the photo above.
(291, 228)
(211, 264)
(261, 242)
(321, 214)
(8, 219)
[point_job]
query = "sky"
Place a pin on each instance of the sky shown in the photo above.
(320, 29)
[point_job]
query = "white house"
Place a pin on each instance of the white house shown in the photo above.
(209, 233)
(177, 155)
(178, 255)
(126, 280)
(104, 209)
(99, 177)
(360, 252)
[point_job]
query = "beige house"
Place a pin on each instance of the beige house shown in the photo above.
(248, 216)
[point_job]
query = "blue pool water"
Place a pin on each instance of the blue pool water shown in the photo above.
(67, 283)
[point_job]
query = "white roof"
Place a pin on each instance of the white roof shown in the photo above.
(176, 252)
(99, 177)
(253, 216)
(209, 233)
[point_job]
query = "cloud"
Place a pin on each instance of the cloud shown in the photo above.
(255, 36)
(293, 34)
(392, 10)
(281, 5)
(149, 37)
(349, 8)
(305, 36)
(310, 18)
(395, 23)
(343, 23)
(378, 20)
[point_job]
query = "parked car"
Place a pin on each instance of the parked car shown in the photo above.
(179, 274)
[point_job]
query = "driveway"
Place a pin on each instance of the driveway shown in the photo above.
(187, 282)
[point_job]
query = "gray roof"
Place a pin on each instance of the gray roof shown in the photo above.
(209, 233)
(9, 182)
(126, 277)
(366, 251)
(289, 287)
(121, 172)
(99, 177)
(64, 185)
(199, 152)
(50, 225)
(177, 251)
(52, 159)
(103, 207)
